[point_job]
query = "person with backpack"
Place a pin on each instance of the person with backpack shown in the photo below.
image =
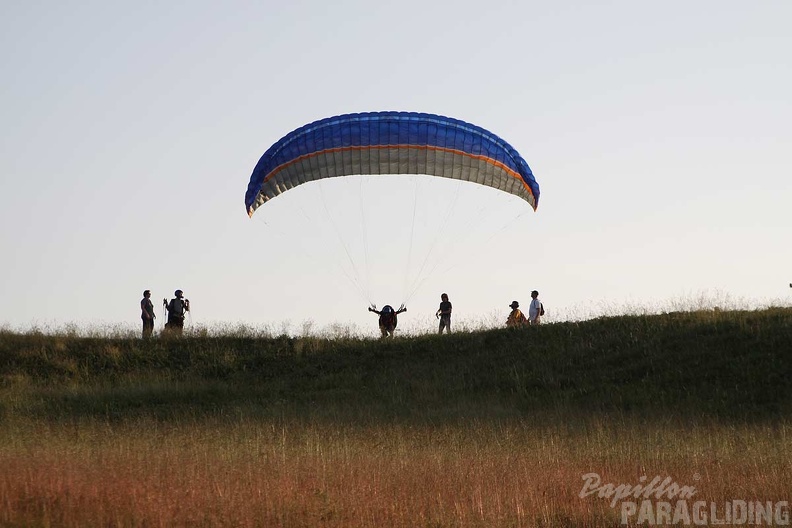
(444, 313)
(516, 318)
(147, 314)
(388, 318)
(535, 310)
(177, 308)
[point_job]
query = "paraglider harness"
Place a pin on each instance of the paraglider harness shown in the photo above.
(388, 317)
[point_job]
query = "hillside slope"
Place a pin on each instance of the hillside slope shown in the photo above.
(723, 365)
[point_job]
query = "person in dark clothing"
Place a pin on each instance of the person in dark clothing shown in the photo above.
(177, 308)
(388, 318)
(147, 314)
(444, 314)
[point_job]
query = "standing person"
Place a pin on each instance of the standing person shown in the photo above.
(535, 310)
(516, 318)
(147, 314)
(177, 308)
(444, 314)
(388, 319)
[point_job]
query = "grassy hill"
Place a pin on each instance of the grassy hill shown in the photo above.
(491, 428)
(718, 364)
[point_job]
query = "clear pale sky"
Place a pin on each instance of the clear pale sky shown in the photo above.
(660, 134)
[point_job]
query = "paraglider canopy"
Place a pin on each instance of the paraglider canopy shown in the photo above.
(390, 143)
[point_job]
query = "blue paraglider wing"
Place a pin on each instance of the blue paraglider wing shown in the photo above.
(390, 143)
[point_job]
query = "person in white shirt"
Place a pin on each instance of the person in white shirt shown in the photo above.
(535, 310)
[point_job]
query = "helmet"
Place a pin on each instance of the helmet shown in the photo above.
(387, 308)
(178, 293)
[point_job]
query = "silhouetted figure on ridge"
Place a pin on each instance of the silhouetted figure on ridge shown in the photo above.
(388, 318)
